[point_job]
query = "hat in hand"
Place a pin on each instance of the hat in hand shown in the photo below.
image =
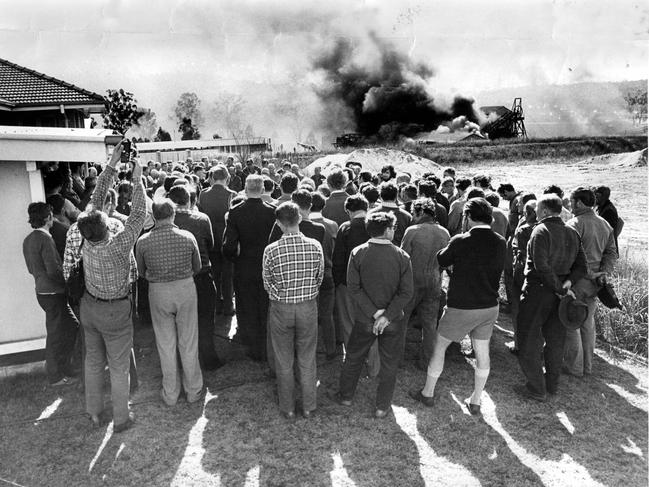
(572, 313)
(608, 297)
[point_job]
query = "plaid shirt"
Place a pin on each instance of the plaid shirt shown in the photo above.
(73, 241)
(293, 268)
(167, 254)
(106, 264)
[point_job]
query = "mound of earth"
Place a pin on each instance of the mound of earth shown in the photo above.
(624, 159)
(373, 159)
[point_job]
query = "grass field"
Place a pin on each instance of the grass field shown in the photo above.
(594, 433)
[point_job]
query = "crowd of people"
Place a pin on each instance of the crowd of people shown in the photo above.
(342, 264)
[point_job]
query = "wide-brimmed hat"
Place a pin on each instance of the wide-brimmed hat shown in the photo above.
(572, 312)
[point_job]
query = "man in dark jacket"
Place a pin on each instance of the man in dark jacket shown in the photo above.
(247, 228)
(477, 258)
(555, 260)
(215, 203)
(379, 279)
(334, 207)
(44, 263)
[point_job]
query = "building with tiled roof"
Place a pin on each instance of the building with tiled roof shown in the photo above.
(30, 98)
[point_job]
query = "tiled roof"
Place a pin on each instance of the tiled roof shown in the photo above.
(22, 87)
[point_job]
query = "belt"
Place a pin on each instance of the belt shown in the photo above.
(107, 300)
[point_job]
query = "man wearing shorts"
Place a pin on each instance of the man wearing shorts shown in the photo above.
(477, 258)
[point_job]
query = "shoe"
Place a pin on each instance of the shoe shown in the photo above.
(308, 414)
(425, 400)
(339, 400)
(198, 397)
(118, 428)
(566, 371)
(98, 420)
(381, 413)
(65, 381)
(474, 409)
(288, 415)
(524, 391)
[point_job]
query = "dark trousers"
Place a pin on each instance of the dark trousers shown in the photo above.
(325, 316)
(390, 352)
(222, 277)
(252, 314)
(61, 325)
(206, 297)
(538, 322)
(143, 308)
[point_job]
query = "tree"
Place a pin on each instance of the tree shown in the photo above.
(162, 136)
(229, 109)
(121, 111)
(187, 107)
(216, 136)
(188, 131)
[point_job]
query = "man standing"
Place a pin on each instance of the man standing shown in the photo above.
(168, 258)
(389, 197)
(600, 250)
(607, 210)
(198, 224)
(457, 206)
(379, 278)
(477, 257)
(334, 207)
(293, 268)
(44, 263)
(215, 203)
(555, 259)
(248, 226)
(106, 305)
(422, 241)
(508, 193)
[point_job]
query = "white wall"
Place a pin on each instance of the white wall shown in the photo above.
(21, 318)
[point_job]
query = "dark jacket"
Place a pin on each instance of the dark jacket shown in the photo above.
(215, 203)
(247, 228)
(351, 234)
(198, 224)
(379, 276)
(554, 254)
(334, 207)
(478, 259)
(43, 262)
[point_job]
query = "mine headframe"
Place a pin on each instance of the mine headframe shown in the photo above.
(505, 123)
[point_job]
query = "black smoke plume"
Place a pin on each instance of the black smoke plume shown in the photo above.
(387, 97)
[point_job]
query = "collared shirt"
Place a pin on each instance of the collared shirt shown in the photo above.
(106, 264)
(167, 254)
(73, 241)
(293, 268)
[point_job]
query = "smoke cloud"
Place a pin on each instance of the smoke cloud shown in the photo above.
(381, 92)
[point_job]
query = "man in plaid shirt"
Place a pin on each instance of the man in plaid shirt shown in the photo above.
(293, 268)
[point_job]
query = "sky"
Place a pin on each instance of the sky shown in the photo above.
(264, 50)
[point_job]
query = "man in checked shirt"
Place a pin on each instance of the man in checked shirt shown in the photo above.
(293, 268)
(106, 304)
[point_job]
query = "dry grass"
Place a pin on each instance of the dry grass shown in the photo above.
(627, 328)
(595, 431)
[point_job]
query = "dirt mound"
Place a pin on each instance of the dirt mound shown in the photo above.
(374, 159)
(624, 159)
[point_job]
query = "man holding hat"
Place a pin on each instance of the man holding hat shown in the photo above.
(555, 260)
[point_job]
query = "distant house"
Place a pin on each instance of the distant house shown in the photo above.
(29, 98)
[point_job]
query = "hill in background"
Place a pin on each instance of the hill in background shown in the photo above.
(591, 109)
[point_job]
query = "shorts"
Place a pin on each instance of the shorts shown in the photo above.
(456, 323)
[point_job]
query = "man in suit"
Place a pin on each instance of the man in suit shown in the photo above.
(44, 263)
(247, 228)
(215, 203)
